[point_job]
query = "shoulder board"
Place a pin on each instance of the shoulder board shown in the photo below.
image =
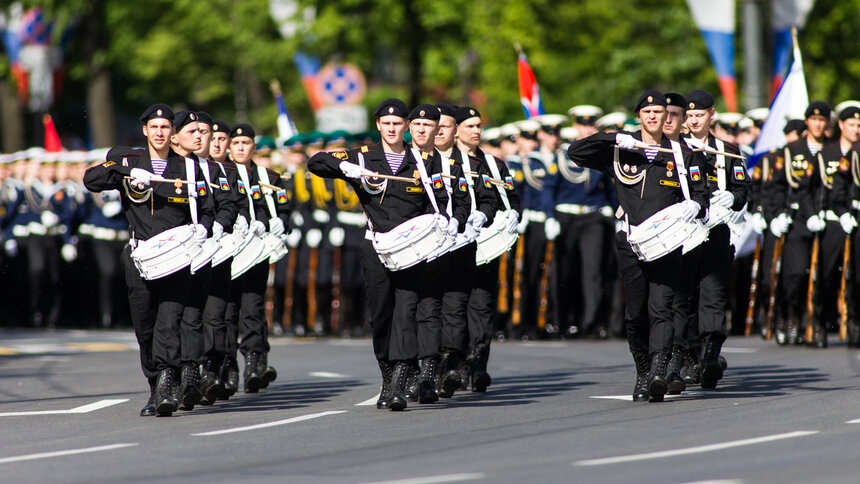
(365, 149)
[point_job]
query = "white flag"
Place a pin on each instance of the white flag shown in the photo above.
(789, 103)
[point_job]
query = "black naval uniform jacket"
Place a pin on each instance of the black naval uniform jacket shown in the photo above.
(399, 201)
(800, 202)
(488, 199)
(658, 189)
(836, 178)
(737, 180)
(255, 195)
(164, 208)
(226, 207)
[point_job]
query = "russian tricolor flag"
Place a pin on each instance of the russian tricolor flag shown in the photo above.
(716, 20)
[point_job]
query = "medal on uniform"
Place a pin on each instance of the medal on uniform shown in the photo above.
(633, 169)
(669, 166)
(178, 188)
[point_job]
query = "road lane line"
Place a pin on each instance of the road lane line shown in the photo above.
(368, 402)
(77, 410)
(856, 420)
(730, 349)
(60, 453)
(327, 374)
(270, 424)
(434, 479)
(629, 398)
(693, 450)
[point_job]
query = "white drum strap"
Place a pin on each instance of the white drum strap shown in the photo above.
(721, 164)
(243, 175)
(446, 171)
(467, 168)
(204, 167)
(192, 188)
(494, 170)
(270, 202)
(425, 180)
(682, 169)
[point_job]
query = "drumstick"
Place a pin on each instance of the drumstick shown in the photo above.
(390, 177)
(476, 175)
(712, 151)
(164, 180)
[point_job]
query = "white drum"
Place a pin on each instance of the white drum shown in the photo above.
(449, 245)
(274, 249)
(664, 232)
(166, 253)
(410, 242)
(697, 237)
(207, 251)
(717, 214)
(230, 245)
(495, 240)
(246, 257)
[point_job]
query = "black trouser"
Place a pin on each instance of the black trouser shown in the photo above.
(214, 312)
(252, 328)
(533, 267)
(156, 314)
(352, 306)
(393, 300)
(709, 302)
(830, 253)
(482, 302)
(429, 309)
(794, 277)
(455, 300)
(852, 284)
(684, 332)
(279, 289)
(579, 255)
(765, 262)
(106, 255)
(650, 289)
(192, 316)
(43, 272)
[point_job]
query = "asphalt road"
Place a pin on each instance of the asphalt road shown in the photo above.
(556, 412)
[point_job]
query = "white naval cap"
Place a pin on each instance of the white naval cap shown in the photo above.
(612, 120)
(509, 130)
(35, 153)
(569, 133)
(585, 112)
(491, 134)
(845, 104)
(758, 114)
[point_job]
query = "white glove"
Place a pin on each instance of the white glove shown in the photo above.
(722, 198)
(552, 228)
(442, 222)
(293, 238)
(815, 224)
(258, 228)
(690, 209)
(513, 222)
(11, 247)
(477, 219)
(241, 226)
(321, 216)
(69, 252)
(848, 222)
(470, 232)
(297, 219)
(314, 238)
(217, 230)
(111, 208)
(523, 225)
(779, 225)
(140, 177)
(49, 219)
(625, 141)
(452, 227)
(759, 224)
(336, 236)
(695, 143)
(738, 217)
(619, 225)
(276, 226)
(351, 170)
(200, 234)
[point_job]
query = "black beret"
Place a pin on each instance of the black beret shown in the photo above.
(700, 99)
(818, 108)
(219, 126)
(446, 110)
(204, 117)
(392, 107)
(465, 112)
(651, 97)
(157, 111)
(794, 125)
(242, 129)
(675, 99)
(184, 118)
(850, 112)
(424, 111)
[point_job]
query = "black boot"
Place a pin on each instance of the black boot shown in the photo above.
(397, 402)
(410, 392)
(643, 365)
(794, 336)
(657, 386)
(165, 402)
(189, 393)
(385, 393)
(253, 380)
(230, 377)
(465, 370)
(149, 409)
(266, 372)
(674, 381)
(711, 369)
(427, 380)
(450, 379)
(480, 378)
(819, 336)
(211, 384)
(691, 370)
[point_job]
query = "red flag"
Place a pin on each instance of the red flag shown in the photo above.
(529, 91)
(52, 139)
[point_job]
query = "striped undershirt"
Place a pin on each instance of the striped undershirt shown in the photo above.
(158, 166)
(814, 148)
(650, 154)
(394, 161)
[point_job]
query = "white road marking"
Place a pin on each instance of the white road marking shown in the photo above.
(434, 479)
(856, 420)
(271, 424)
(693, 450)
(538, 344)
(719, 481)
(629, 398)
(82, 409)
(732, 349)
(368, 402)
(60, 453)
(327, 374)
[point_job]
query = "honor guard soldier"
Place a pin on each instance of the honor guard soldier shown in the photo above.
(647, 181)
(152, 208)
(585, 118)
(14, 237)
(392, 295)
(728, 185)
(797, 189)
